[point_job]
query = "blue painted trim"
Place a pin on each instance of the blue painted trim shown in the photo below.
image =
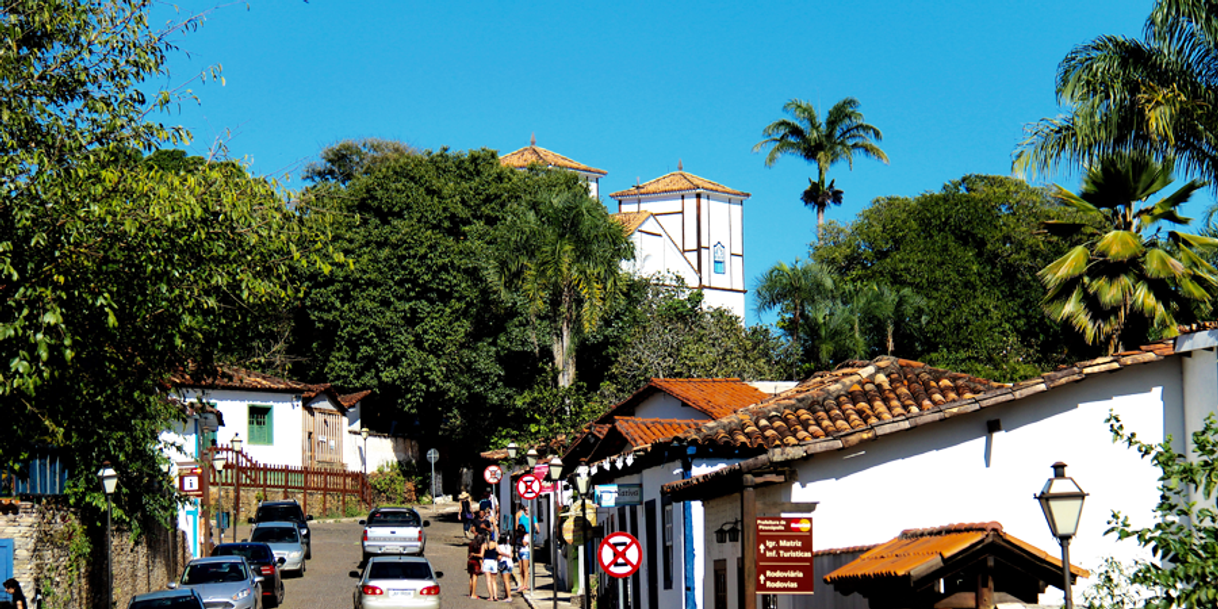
(6, 566)
(687, 533)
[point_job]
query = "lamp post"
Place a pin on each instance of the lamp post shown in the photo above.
(531, 458)
(1062, 502)
(583, 475)
(217, 462)
(109, 482)
(363, 433)
(555, 475)
(238, 444)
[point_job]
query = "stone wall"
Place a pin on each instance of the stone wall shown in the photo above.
(63, 555)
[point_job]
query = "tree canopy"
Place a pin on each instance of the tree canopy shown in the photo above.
(113, 270)
(971, 251)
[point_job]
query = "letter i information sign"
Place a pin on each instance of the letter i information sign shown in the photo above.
(784, 556)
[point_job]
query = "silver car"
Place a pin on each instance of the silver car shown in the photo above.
(393, 530)
(397, 582)
(224, 582)
(285, 542)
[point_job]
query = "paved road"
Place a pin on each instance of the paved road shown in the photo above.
(336, 552)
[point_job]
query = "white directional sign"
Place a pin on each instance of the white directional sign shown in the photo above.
(528, 487)
(492, 474)
(620, 555)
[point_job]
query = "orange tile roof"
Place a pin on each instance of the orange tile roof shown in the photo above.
(631, 220)
(715, 398)
(535, 155)
(852, 397)
(232, 377)
(677, 182)
(916, 548)
(351, 399)
(645, 432)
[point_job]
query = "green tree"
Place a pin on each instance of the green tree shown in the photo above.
(842, 135)
(1156, 96)
(114, 272)
(802, 294)
(1184, 536)
(563, 253)
(415, 318)
(972, 252)
(1129, 277)
(670, 334)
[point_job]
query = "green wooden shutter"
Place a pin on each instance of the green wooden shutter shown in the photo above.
(261, 425)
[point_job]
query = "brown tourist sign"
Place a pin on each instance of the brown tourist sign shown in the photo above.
(784, 555)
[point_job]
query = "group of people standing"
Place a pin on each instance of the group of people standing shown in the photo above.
(498, 556)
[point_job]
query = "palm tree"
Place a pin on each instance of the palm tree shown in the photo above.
(838, 138)
(1130, 276)
(563, 253)
(888, 305)
(1157, 96)
(803, 293)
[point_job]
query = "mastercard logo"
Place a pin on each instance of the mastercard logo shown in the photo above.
(803, 525)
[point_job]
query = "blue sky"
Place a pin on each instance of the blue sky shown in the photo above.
(631, 87)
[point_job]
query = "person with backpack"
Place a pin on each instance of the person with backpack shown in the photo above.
(467, 513)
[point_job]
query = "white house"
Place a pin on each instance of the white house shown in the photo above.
(704, 221)
(184, 444)
(889, 445)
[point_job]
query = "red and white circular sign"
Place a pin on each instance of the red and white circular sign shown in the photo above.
(620, 555)
(492, 474)
(528, 487)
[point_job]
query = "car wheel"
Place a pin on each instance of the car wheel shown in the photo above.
(309, 551)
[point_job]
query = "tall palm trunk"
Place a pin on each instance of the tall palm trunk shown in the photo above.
(564, 354)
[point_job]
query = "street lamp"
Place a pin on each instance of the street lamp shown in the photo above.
(555, 475)
(363, 433)
(1062, 502)
(217, 463)
(583, 475)
(531, 457)
(109, 482)
(238, 444)
(512, 449)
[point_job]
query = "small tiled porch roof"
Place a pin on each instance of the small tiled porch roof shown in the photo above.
(645, 432)
(714, 397)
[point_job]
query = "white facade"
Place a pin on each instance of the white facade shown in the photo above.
(955, 471)
(656, 255)
(240, 407)
(707, 228)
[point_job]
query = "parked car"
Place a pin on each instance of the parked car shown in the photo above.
(397, 582)
(223, 581)
(284, 539)
(167, 599)
(262, 559)
(393, 530)
(286, 511)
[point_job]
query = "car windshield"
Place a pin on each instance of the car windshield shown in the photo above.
(275, 535)
(402, 518)
(399, 570)
(213, 573)
(177, 602)
(268, 513)
(251, 553)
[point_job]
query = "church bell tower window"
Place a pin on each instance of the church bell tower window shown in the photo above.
(720, 258)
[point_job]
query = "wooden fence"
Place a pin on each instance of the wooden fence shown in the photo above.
(241, 472)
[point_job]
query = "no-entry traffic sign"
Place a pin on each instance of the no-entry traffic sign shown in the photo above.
(528, 487)
(620, 555)
(492, 474)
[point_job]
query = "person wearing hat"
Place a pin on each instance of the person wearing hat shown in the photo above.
(467, 512)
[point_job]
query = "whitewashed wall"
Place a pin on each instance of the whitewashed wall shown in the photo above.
(287, 422)
(952, 471)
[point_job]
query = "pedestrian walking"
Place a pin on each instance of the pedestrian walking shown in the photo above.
(17, 597)
(524, 553)
(490, 566)
(504, 550)
(473, 563)
(467, 513)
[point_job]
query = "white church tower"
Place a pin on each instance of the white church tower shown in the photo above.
(535, 155)
(704, 220)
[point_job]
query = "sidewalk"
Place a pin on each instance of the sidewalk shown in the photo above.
(540, 597)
